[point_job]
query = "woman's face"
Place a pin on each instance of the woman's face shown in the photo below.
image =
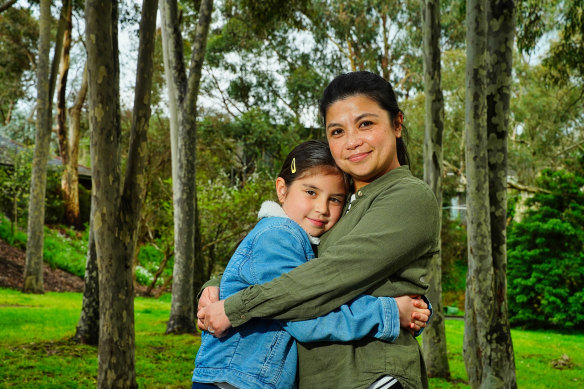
(362, 138)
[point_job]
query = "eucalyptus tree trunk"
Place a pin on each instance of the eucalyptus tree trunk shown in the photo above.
(33, 269)
(183, 92)
(117, 205)
(434, 338)
(488, 351)
(500, 39)
(33, 277)
(87, 331)
(67, 137)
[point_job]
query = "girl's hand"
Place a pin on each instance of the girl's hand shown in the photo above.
(210, 295)
(413, 312)
(214, 319)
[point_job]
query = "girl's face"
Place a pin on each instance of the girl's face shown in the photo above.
(362, 138)
(314, 201)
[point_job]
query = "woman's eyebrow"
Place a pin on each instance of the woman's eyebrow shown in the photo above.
(363, 115)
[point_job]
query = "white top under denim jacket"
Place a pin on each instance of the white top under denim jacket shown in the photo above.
(262, 353)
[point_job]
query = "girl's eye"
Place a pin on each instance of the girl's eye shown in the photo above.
(311, 193)
(336, 200)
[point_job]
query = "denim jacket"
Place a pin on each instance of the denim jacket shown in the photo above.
(262, 353)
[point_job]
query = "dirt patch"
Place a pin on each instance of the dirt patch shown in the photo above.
(12, 262)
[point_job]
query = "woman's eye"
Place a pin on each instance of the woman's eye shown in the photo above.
(365, 123)
(310, 192)
(336, 131)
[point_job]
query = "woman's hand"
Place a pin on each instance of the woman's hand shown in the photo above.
(413, 312)
(209, 296)
(214, 319)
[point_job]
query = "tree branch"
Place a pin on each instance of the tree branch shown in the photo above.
(7, 5)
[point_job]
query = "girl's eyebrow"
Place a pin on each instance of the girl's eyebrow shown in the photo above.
(356, 119)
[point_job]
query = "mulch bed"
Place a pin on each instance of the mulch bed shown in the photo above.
(12, 262)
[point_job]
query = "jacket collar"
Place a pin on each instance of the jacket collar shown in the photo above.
(273, 209)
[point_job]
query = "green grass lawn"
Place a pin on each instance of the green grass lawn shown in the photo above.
(36, 350)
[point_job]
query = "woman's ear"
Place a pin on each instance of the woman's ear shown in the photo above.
(281, 189)
(399, 119)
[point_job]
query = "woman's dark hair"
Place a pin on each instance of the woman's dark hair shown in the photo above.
(372, 86)
(306, 156)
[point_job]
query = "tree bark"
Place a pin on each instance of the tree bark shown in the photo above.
(33, 270)
(488, 351)
(69, 178)
(183, 93)
(479, 274)
(117, 209)
(434, 338)
(87, 331)
(500, 39)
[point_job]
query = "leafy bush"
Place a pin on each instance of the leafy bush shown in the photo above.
(546, 256)
(454, 261)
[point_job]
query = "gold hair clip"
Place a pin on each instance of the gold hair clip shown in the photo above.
(293, 166)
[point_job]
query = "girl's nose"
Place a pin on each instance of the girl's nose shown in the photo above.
(321, 206)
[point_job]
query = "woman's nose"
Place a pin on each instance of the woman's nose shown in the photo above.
(353, 139)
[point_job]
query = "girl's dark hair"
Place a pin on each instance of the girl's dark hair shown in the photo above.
(306, 156)
(372, 86)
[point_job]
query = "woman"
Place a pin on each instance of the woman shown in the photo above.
(381, 246)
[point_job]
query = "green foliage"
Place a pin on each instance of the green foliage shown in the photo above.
(454, 261)
(546, 256)
(18, 44)
(227, 213)
(150, 258)
(15, 183)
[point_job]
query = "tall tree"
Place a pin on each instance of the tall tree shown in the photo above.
(500, 39)
(183, 91)
(33, 281)
(117, 204)
(434, 339)
(488, 350)
(33, 270)
(87, 330)
(68, 135)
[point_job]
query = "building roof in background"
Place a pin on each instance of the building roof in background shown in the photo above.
(7, 146)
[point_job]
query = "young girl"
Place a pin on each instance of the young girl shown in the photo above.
(262, 353)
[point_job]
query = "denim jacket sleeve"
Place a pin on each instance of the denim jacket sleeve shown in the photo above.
(364, 316)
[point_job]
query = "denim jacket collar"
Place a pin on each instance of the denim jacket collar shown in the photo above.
(273, 209)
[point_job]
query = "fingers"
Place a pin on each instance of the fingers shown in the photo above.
(201, 319)
(419, 303)
(210, 295)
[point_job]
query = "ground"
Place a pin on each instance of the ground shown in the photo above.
(12, 270)
(12, 262)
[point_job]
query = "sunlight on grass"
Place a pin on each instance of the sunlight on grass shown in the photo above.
(36, 350)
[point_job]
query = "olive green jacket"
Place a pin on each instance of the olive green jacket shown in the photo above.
(381, 246)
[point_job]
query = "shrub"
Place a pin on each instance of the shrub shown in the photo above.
(546, 256)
